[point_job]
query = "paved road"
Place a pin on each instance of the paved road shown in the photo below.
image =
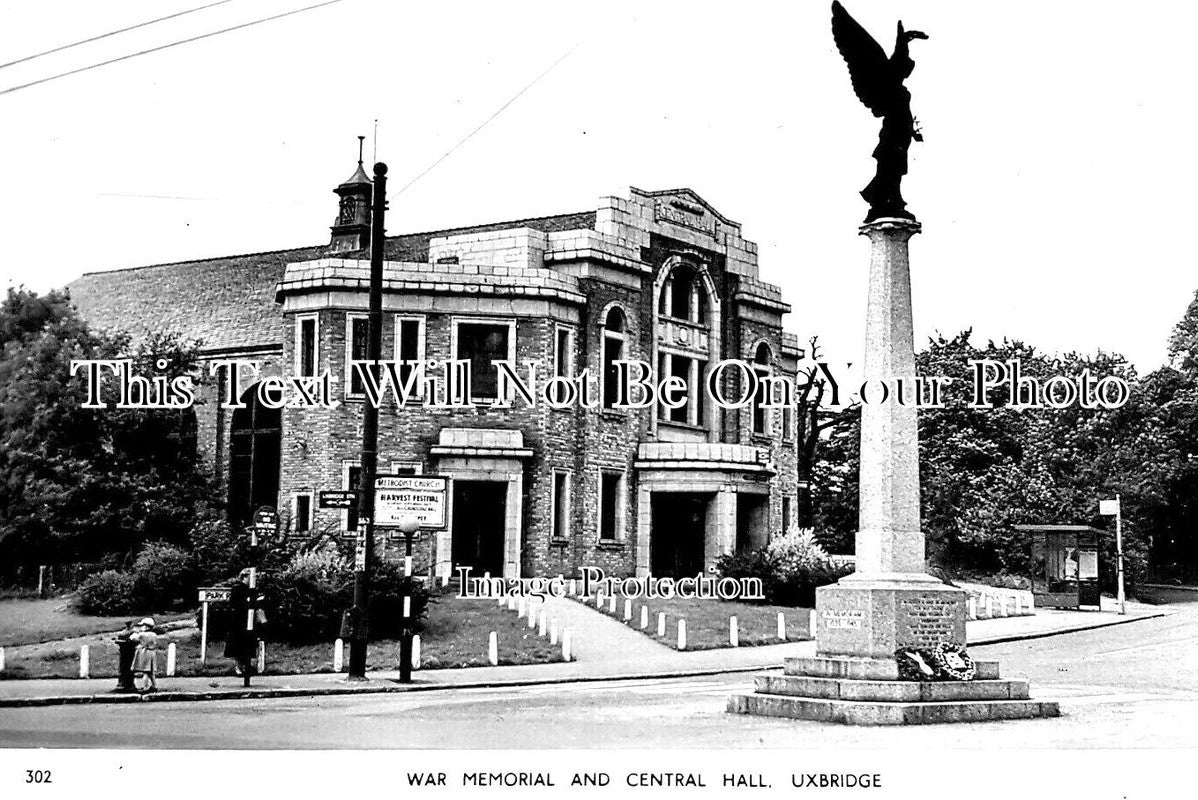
(1132, 685)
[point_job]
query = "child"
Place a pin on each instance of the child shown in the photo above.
(145, 656)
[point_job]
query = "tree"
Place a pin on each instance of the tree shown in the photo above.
(79, 483)
(1183, 342)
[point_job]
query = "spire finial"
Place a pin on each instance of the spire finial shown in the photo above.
(361, 141)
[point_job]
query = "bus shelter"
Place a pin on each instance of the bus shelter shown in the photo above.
(1064, 565)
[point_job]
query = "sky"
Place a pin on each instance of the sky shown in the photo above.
(1054, 185)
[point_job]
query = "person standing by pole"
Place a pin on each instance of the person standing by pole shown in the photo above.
(359, 620)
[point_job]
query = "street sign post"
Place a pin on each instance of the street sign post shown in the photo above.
(1113, 508)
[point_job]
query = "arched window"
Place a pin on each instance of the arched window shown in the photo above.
(683, 296)
(255, 439)
(761, 365)
(614, 336)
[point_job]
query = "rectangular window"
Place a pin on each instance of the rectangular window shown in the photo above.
(301, 515)
(352, 481)
(788, 423)
(561, 505)
(357, 330)
(613, 351)
(482, 344)
(409, 346)
(680, 367)
(307, 346)
(611, 486)
(563, 357)
(760, 414)
(785, 515)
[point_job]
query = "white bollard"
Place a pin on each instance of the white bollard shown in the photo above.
(989, 606)
(84, 661)
(627, 609)
(521, 608)
(611, 605)
(542, 623)
(493, 649)
(573, 588)
(261, 656)
(170, 660)
(511, 602)
(681, 634)
(553, 631)
(973, 607)
(1018, 605)
(567, 655)
(598, 600)
(416, 651)
(781, 626)
(1, 659)
(338, 655)
(644, 617)
(733, 632)
(661, 624)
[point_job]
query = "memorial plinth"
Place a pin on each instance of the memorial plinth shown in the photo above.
(889, 602)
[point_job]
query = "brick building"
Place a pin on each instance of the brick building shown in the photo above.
(660, 276)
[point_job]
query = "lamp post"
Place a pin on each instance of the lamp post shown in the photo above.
(407, 525)
(1114, 508)
(359, 621)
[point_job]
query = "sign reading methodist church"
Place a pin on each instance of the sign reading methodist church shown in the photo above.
(397, 498)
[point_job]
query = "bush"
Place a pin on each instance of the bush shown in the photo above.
(790, 568)
(163, 577)
(306, 599)
(107, 594)
(219, 551)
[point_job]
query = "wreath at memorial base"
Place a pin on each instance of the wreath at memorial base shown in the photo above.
(943, 662)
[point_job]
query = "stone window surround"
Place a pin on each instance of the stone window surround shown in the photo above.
(621, 533)
(350, 318)
(567, 501)
(295, 496)
(765, 369)
(299, 326)
(625, 354)
(572, 345)
(714, 303)
(510, 322)
(421, 340)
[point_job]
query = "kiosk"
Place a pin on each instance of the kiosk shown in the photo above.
(1064, 565)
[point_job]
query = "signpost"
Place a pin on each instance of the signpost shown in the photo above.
(1112, 508)
(210, 594)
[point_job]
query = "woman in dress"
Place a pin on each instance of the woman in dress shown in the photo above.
(144, 656)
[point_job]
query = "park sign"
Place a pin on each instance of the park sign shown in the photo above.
(422, 497)
(216, 594)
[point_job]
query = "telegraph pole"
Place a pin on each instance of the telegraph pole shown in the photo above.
(359, 619)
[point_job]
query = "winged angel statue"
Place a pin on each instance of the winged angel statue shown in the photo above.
(878, 83)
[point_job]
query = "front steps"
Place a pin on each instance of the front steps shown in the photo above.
(869, 692)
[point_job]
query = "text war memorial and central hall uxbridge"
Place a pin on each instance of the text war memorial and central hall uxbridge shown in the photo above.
(532, 490)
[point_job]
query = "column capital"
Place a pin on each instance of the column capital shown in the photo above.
(906, 228)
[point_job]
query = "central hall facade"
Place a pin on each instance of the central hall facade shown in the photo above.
(659, 276)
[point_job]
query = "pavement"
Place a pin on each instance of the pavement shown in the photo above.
(604, 648)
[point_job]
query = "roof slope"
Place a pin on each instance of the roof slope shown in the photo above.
(229, 302)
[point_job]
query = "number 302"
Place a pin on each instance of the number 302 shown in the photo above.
(37, 776)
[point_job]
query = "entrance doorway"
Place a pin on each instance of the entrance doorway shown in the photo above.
(752, 512)
(479, 520)
(678, 535)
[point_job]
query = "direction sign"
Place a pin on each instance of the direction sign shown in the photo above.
(397, 498)
(338, 499)
(215, 594)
